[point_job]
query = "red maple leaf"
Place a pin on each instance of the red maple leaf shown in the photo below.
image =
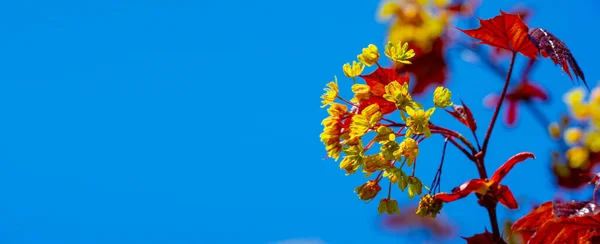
(463, 114)
(568, 222)
(428, 66)
(497, 53)
(489, 187)
(550, 46)
(482, 238)
(378, 79)
(385, 106)
(506, 31)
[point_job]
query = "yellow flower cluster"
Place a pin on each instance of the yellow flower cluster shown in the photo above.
(344, 130)
(332, 130)
(429, 206)
(583, 137)
(415, 21)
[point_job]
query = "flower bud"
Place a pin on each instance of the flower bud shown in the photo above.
(369, 55)
(353, 70)
(388, 206)
(415, 187)
(429, 206)
(441, 97)
(554, 130)
(368, 190)
(409, 149)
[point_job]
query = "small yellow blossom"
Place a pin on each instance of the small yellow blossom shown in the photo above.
(361, 92)
(394, 175)
(399, 53)
(573, 135)
(429, 206)
(353, 70)
(388, 148)
(409, 148)
(554, 130)
(388, 206)
(580, 111)
(384, 134)
(412, 21)
(330, 93)
(374, 163)
(394, 92)
(595, 96)
(577, 157)
(369, 55)
(418, 121)
(368, 190)
(353, 159)
(365, 120)
(592, 141)
(441, 97)
(337, 110)
(574, 96)
(332, 130)
(415, 187)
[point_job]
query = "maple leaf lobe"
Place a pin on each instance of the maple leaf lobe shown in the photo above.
(550, 46)
(506, 31)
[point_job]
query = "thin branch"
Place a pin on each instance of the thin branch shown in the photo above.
(488, 134)
(438, 175)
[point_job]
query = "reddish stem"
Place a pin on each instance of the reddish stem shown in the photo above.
(491, 208)
(488, 134)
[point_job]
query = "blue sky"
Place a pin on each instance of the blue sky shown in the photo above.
(198, 121)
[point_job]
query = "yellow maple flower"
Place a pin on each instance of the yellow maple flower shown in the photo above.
(415, 187)
(429, 206)
(577, 157)
(368, 190)
(574, 96)
(554, 130)
(580, 111)
(399, 94)
(366, 119)
(441, 97)
(353, 70)
(331, 93)
(388, 206)
(418, 121)
(332, 130)
(353, 159)
(409, 149)
(374, 163)
(592, 141)
(398, 52)
(369, 55)
(413, 21)
(573, 135)
(362, 92)
(337, 110)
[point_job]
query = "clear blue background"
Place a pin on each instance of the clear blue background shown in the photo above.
(199, 121)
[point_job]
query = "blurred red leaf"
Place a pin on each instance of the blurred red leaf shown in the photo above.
(463, 114)
(505, 31)
(438, 227)
(428, 66)
(524, 92)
